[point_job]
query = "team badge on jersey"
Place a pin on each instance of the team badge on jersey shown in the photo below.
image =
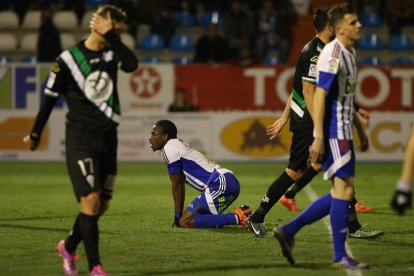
(333, 65)
(312, 70)
(98, 86)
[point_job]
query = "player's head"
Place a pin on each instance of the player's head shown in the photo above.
(162, 131)
(345, 22)
(117, 15)
(320, 19)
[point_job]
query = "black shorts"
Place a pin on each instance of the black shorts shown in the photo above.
(91, 158)
(299, 150)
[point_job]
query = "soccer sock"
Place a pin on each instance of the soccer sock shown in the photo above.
(307, 177)
(274, 193)
(339, 221)
(74, 237)
(353, 223)
(403, 186)
(215, 221)
(315, 211)
(90, 235)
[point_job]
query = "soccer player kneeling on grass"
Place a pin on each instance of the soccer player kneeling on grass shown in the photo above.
(218, 186)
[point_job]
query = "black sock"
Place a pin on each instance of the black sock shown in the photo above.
(307, 177)
(274, 193)
(74, 237)
(353, 223)
(90, 235)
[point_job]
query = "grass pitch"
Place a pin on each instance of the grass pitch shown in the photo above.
(38, 208)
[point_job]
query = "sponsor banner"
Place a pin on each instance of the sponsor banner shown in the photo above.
(225, 87)
(231, 136)
(150, 89)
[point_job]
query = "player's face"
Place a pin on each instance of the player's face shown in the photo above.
(157, 139)
(351, 27)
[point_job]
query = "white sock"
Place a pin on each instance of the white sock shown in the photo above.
(404, 186)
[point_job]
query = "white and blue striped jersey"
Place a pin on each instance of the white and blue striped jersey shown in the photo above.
(197, 168)
(337, 74)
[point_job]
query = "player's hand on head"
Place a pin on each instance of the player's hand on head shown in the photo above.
(101, 24)
(31, 142)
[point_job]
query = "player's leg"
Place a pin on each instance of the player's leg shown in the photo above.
(205, 211)
(402, 197)
(298, 162)
(307, 176)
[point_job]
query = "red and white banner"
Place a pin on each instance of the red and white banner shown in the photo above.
(226, 87)
(150, 89)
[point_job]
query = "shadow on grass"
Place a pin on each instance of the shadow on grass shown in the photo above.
(244, 267)
(35, 228)
(34, 218)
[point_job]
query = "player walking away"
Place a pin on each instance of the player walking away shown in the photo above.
(401, 200)
(86, 75)
(299, 108)
(288, 199)
(218, 186)
(332, 116)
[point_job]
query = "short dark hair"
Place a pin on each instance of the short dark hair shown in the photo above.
(320, 19)
(337, 12)
(117, 14)
(167, 127)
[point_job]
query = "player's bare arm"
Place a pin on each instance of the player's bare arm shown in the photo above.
(274, 129)
(178, 192)
(363, 137)
(308, 94)
(317, 148)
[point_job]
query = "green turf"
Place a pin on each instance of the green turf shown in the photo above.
(38, 207)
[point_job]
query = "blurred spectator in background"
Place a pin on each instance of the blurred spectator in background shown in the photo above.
(211, 47)
(164, 24)
(48, 43)
(245, 57)
(237, 27)
(273, 28)
(399, 13)
(181, 103)
(190, 6)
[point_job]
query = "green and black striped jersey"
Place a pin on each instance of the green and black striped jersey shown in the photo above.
(88, 80)
(305, 72)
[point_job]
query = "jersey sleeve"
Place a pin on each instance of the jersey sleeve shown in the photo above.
(171, 157)
(327, 69)
(57, 81)
(309, 61)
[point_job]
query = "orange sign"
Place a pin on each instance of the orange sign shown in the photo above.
(14, 129)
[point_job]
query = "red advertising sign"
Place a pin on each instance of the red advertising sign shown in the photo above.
(226, 87)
